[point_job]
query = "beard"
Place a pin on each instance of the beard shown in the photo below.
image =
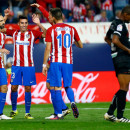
(2, 26)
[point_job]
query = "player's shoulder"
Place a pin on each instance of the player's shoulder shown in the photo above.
(117, 22)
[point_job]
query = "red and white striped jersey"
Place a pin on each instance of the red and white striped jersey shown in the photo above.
(67, 4)
(2, 45)
(61, 36)
(23, 46)
(107, 5)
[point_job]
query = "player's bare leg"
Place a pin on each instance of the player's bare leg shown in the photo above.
(3, 92)
(28, 102)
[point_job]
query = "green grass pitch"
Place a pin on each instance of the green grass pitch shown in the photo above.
(91, 118)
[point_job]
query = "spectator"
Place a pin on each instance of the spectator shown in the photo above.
(108, 6)
(119, 4)
(101, 17)
(18, 5)
(90, 16)
(4, 4)
(47, 3)
(118, 13)
(67, 6)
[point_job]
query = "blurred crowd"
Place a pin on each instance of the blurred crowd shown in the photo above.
(73, 10)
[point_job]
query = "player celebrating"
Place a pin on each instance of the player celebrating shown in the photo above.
(65, 109)
(119, 36)
(23, 71)
(3, 76)
(59, 38)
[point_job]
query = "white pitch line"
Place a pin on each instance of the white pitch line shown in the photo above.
(98, 108)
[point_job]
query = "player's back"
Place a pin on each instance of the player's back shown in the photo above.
(62, 38)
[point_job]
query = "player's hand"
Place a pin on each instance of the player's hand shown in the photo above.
(44, 71)
(5, 51)
(48, 66)
(35, 19)
(35, 5)
(128, 51)
(6, 12)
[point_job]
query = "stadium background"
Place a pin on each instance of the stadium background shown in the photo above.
(94, 78)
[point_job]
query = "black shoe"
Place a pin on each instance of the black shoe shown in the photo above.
(75, 110)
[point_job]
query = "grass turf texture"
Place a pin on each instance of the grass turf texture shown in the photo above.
(89, 119)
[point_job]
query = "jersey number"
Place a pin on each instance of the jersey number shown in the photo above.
(66, 40)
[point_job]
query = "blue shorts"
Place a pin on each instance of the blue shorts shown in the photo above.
(3, 77)
(48, 76)
(23, 76)
(59, 71)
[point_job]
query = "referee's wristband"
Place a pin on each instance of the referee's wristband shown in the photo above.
(44, 65)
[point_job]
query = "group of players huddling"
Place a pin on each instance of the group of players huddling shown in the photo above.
(58, 62)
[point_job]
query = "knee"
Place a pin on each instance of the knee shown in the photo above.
(4, 89)
(27, 88)
(14, 88)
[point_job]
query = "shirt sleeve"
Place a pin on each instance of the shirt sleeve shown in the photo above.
(76, 35)
(48, 36)
(45, 13)
(37, 34)
(110, 31)
(118, 30)
(10, 32)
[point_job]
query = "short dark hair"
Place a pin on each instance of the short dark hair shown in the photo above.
(56, 12)
(126, 9)
(22, 17)
(1, 14)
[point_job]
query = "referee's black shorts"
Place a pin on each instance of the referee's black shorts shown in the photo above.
(122, 64)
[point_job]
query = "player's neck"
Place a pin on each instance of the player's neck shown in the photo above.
(59, 21)
(23, 31)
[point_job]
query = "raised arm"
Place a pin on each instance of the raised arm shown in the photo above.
(6, 12)
(44, 12)
(35, 19)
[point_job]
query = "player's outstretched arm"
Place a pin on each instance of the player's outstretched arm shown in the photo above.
(44, 12)
(6, 12)
(36, 20)
(78, 44)
(116, 41)
(5, 51)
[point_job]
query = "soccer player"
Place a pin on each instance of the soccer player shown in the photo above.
(23, 71)
(3, 75)
(119, 36)
(65, 109)
(59, 40)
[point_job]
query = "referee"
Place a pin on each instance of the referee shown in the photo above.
(119, 36)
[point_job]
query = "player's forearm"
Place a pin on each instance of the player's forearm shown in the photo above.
(46, 56)
(117, 42)
(78, 44)
(42, 28)
(3, 59)
(44, 12)
(5, 18)
(109, 41)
